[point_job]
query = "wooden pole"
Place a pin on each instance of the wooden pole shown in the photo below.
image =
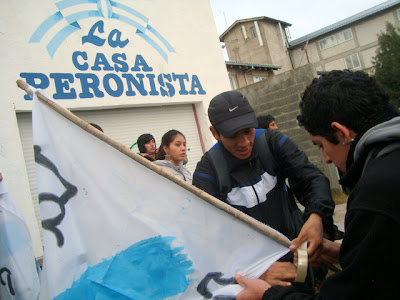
(138, 158)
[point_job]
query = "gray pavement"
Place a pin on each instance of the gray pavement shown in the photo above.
(338, 215)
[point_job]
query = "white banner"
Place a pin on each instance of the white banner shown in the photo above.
(19, 275)
(115, 229)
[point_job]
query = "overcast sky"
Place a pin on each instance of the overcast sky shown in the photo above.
(305, 16)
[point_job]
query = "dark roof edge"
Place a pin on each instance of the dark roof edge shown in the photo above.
(251, 19)
(239, 64)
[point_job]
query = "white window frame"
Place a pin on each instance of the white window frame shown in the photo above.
(258, 78)
(244, 33)
(335, 39)
(232, 81)
(353, 58)
(253, 31)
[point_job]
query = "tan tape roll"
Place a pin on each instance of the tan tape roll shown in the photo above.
(302, 263)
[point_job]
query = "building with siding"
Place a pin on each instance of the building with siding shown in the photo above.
(256, 42)
(347, 44)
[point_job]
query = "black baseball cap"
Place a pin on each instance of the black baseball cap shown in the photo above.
(231, 112)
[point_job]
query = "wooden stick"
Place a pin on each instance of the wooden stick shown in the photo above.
(138, 158)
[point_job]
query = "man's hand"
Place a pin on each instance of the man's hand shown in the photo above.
(1, 177)
(311, 232)
(280, 273)
(254, 289)
(329, 253)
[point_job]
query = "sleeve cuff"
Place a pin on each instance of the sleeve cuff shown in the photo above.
(277, 292)
(280, 292)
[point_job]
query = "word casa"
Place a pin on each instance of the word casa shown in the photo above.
(119, 81)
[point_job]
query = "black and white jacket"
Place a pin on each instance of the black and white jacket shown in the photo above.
(263, 194)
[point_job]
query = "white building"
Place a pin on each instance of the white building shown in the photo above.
(131, 67)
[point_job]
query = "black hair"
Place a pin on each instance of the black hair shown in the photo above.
(97, 126)
(167, 139)
(353, 99)
(264, 121)
(143, 140)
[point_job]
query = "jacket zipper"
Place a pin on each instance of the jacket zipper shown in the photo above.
(258, 200)
(252, 186)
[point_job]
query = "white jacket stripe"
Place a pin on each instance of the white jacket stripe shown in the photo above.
(245, 196)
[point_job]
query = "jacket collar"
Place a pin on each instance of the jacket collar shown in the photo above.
(234, 162)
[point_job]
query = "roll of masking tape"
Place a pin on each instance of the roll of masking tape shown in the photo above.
(302, 263)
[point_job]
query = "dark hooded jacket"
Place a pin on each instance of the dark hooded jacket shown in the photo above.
(368, 255)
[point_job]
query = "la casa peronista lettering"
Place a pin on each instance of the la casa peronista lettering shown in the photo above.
(112, 74)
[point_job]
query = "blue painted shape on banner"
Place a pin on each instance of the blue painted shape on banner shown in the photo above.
(45, 26)
(82, 15)
(69, 3)
(149, 269)
(161, 38)
(153, 44)
(59, 38)
(130, 10)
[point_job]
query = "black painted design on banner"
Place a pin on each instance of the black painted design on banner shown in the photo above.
(9, 282)
(203, 290)
(70, 191)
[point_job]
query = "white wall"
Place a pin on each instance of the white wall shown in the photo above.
(188, 26)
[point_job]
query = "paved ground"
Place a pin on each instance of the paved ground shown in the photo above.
(338, 216)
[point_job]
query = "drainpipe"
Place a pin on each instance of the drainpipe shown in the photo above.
(245, 77)
(286, 43)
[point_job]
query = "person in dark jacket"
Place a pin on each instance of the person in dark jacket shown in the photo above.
(267, 121)
(260, 191)
(147, 146)
(350, 117)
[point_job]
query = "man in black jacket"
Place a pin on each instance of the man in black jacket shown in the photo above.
(350, 117)
(259, 190)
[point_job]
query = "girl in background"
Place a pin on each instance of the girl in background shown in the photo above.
(172, 153)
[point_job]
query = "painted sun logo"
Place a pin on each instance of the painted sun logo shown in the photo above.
(71, 12)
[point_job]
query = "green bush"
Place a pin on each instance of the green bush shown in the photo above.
(387, 61)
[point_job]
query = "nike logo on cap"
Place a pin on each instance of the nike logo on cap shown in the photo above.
(232, 109)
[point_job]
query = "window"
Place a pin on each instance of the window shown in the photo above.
(232, 82)
(352, 61)
(258, 78)
(398, 13)
(253, 32)
(335, 39)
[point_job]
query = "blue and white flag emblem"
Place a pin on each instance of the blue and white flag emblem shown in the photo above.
(115, 229)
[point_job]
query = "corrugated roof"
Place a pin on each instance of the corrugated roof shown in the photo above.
(249, 65)
(221, 37)
(345, 22)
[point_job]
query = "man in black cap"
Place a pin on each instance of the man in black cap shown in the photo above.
(247, 169)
